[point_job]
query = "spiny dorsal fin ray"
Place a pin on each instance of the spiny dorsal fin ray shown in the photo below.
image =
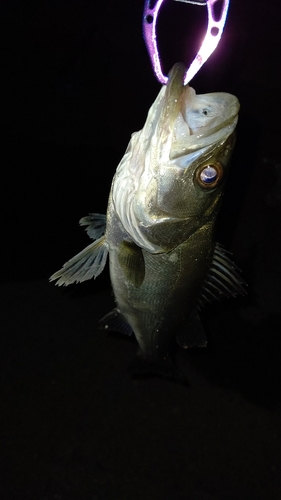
(223, 279)
(115, 322)
(96, 225)
(85, 265)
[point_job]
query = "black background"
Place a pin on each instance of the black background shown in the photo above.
(76, 81)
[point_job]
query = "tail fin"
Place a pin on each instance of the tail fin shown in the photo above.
(143, 368)
(85, 265)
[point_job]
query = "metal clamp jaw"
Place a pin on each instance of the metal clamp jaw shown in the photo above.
(212, 37)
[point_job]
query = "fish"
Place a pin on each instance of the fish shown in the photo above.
(159, 230)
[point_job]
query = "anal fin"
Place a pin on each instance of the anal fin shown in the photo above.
(115, 322)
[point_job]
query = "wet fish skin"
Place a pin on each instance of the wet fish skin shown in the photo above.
(160, 222)
(176, 220)
(168, 293)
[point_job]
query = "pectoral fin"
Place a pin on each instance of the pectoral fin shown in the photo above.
(85, 265)
(192, 333)
(131, 261)
(95, 223)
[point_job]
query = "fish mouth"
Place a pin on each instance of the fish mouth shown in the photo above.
(208, 113)
(196, 121)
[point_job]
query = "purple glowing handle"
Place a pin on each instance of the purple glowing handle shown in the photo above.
(211, 40)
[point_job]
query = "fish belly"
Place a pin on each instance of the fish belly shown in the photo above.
(168, 294)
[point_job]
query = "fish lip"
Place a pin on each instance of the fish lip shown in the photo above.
(208, 135)
(231, 120)
(202, 144)
(223, 130)
(228, 106)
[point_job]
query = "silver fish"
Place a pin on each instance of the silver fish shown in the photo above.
(160, 223)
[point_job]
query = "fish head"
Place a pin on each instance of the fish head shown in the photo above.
(194, 140)
(174, 168)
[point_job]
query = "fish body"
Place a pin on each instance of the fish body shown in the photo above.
(159, 230)
(161, 295)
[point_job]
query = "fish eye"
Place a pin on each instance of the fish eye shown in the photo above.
(209, 176)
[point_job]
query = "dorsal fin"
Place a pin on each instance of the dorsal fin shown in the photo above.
(85, 265)
(191, 333)
(96, 225)
(223, 279)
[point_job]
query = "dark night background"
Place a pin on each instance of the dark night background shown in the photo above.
(76, 81)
